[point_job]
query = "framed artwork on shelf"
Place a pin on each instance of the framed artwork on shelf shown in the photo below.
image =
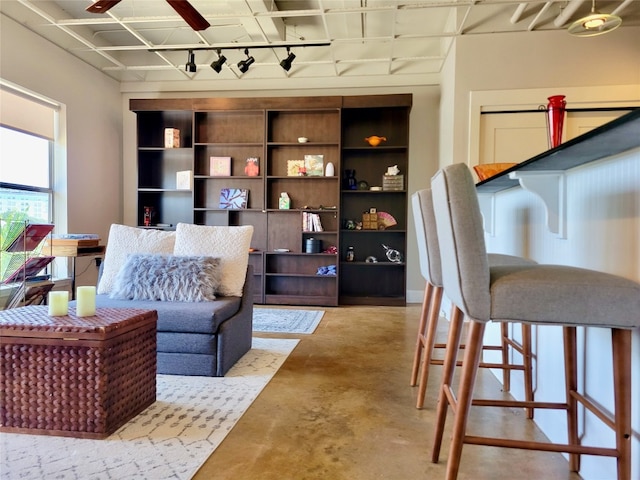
(184, 180)
(295, 168)
(234, 198)
(220, 166)
(314, 165)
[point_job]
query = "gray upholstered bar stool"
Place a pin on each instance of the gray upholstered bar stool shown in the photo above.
(430, 267)
(536, 294)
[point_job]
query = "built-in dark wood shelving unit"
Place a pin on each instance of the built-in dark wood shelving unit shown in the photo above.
(268, 129)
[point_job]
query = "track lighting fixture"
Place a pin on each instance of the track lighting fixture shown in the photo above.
(217, 64)
(286, 63)
(243, 65)
(191, 63)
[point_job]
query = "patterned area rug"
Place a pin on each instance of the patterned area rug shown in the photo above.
(169, 440)
(276, 320)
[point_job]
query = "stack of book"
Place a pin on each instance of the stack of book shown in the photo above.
(311, 222)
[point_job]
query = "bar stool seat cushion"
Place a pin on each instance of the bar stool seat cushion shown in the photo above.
(563, 295)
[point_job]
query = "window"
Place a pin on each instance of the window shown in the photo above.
(25, 176)
(27, 154)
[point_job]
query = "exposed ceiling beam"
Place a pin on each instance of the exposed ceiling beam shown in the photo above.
(534, 22)
(518, 13)
(567, 12)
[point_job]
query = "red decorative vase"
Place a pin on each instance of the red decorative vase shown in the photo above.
(555, 119)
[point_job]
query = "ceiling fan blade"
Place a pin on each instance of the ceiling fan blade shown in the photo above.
(190, 14)
(101, 6)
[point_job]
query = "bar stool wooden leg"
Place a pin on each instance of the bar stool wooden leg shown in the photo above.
(424, 314)
(621, 346)
(571, 381)
(527, 362)
(429, 341)
(446, 389)
(469, 372)
(506, 373)
(524, 348)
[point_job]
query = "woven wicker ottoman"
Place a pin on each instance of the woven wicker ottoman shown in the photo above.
(75, 376)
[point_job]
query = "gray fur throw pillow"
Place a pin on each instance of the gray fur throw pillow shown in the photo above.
(168, 278)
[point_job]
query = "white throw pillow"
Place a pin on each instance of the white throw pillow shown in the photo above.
(230, 244)
(124, 240)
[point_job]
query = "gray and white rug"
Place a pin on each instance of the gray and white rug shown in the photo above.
(169, 440)
(280, 320)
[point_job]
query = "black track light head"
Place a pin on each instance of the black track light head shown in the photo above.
(191, 63)
(286, 63)
(217, 64)
(243, 65)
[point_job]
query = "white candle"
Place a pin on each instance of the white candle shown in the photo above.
(58, 303)
(85, 301)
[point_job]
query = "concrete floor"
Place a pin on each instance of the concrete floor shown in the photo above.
(341, 408)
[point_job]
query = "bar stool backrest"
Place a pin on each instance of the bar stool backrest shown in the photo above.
(465, 264)
(427, 236)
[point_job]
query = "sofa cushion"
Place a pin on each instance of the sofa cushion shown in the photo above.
(123, 241)
(186, 317)
(230, 244)
(175, 342)
(168, 278)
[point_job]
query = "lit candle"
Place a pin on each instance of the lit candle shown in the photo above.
(86, 301)
(58, 303)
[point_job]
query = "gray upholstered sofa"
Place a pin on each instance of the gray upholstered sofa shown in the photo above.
(198, 280)
(198, 338)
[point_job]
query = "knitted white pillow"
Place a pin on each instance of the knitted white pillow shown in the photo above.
(124, 240)
(229, 244)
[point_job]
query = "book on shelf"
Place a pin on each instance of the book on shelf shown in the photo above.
(233, 198)
(184, 180)
(314, 165)
(74, 240)
(171, 138)
(220, 166)
(27, 236)
(311, 222)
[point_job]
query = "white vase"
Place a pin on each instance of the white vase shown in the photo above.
(329, 171)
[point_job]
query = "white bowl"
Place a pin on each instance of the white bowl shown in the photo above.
(303, 139)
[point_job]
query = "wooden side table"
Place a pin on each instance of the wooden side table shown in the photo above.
(73, 252)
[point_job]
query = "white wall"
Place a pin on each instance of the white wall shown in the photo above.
(92, 104)
(550, 60)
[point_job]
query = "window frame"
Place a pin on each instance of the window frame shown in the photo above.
(50, 191)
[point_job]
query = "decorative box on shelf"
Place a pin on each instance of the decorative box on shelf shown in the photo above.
(370, 221)
(393, 182)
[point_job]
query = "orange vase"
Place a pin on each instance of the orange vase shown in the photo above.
(555, 119)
